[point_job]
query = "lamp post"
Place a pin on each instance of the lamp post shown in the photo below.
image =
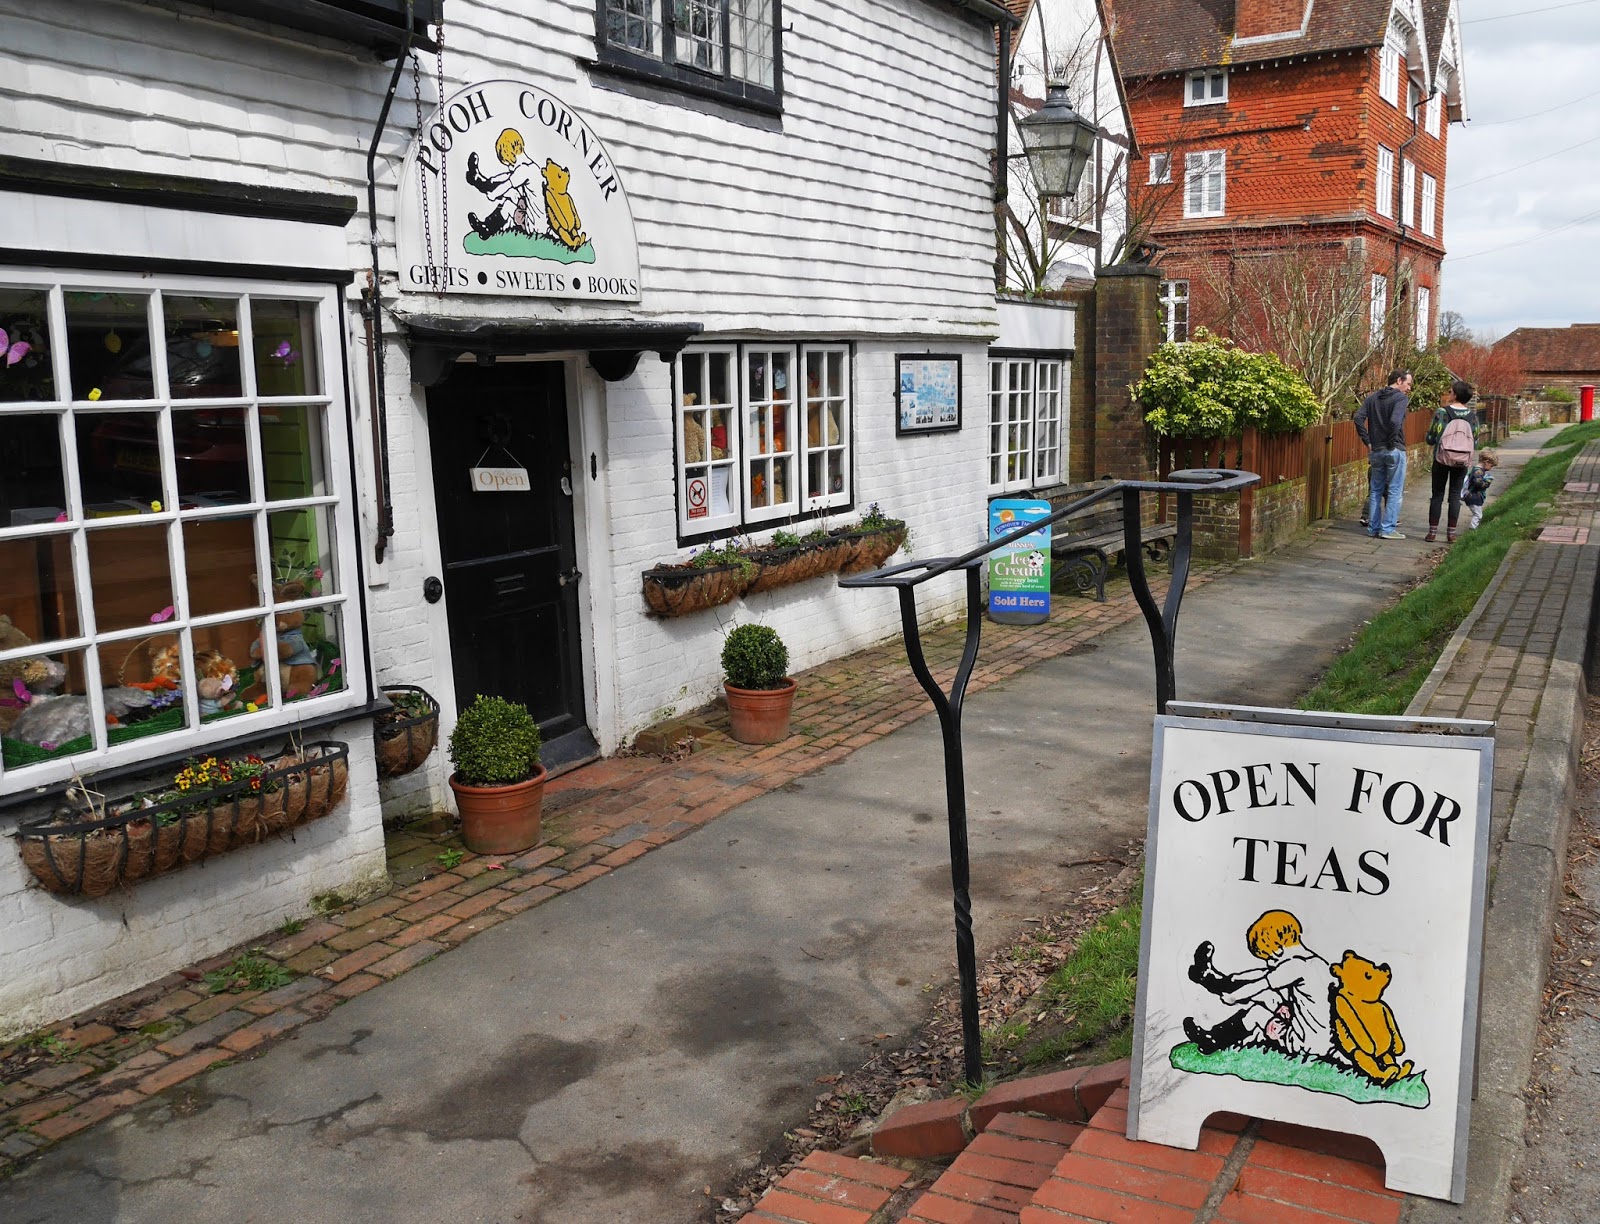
(1059, 143)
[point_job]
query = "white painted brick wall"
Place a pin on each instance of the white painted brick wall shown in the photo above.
(60, 956)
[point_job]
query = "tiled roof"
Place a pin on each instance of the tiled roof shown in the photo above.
(1434, 15)
(1159, 36)
(1557, 350)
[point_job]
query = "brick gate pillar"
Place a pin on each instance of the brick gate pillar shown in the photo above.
(1127, 329)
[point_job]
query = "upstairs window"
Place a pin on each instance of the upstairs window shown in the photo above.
(763, 434)
(1161, 167)
(1424, 315)
(1380, 307)
(720, 47)
(1175, 311)
(1205, 183)
(1208, 87)
(1384, 190)
(1430, 204)
(1431, 112)
(1408, 192)
(1389, 73)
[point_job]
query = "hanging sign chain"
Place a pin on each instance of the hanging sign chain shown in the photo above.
(422, 180)
(444, 177)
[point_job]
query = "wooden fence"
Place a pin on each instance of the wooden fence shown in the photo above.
(1310, 455)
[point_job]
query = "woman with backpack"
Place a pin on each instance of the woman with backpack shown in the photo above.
(1452, 435)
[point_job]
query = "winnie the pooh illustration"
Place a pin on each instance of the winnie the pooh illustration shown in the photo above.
(559, 208)
(1364, 1030)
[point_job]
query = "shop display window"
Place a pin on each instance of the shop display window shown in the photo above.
(175, 526)
(764, 434)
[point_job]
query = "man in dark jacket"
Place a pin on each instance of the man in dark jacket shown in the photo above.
(1381, 424)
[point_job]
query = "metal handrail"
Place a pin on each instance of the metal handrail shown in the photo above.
(1162, 623)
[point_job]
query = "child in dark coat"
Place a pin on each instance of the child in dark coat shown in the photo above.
(1478, 481)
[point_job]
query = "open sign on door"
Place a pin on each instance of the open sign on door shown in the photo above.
(500, 480)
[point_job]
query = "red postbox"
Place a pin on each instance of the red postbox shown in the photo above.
(1586, 402)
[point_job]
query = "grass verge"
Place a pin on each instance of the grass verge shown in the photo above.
(1395, 651)
(1093, 990)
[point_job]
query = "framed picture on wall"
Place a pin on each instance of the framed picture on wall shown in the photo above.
(927, 392)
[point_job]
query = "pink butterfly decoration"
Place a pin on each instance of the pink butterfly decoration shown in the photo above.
(14, 352)
(163, 615)
(287, 353)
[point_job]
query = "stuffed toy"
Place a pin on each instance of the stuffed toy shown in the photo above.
(21, 680)
(297, 662)
(217, 683)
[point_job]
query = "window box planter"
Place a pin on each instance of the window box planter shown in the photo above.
(74, 853)
(677, 590)
(780, 567)
(406, 733)
(868, 550)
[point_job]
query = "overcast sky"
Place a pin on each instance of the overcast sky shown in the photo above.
(1524, 246)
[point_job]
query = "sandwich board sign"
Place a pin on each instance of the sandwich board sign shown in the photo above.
(1313, 930)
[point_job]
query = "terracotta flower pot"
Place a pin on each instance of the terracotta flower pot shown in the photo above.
(500, 819)
(760, 716)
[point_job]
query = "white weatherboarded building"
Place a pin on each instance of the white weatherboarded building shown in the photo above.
(208, 447)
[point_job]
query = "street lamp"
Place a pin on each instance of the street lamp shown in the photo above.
(1059, 142)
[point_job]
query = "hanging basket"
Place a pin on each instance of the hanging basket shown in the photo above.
(405, 734)
(74, 854)
(780, 567)
(677, 590)
(868, 550)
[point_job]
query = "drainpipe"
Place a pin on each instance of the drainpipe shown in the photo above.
(374, 303)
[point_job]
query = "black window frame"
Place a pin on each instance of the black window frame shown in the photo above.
(685, 78)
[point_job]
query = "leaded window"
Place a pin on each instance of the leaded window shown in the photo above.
(719, 47)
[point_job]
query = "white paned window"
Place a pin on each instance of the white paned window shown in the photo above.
(826, 411)
(1408, 192)
(1161, 167)
(176, 489)
(727, 45)
(1027, 422)
(1389, 73)
(1204, 183)
(1175, 310)
(1208, 87)
(708, 441)
(1431, 113)
(771, 488)
(1430, 204)
(763, 434)
(1384, 190)
(1424, 315)
(1380, 306)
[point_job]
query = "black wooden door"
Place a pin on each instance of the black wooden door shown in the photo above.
(510, 562)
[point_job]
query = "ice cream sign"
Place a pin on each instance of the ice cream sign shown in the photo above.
(507, 190)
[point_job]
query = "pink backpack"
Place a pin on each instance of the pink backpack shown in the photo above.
(1455, 443)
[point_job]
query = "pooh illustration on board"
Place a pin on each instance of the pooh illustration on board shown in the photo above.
(534, 215)
(1298, 1020)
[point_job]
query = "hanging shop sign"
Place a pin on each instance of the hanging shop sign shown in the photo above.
(507, 190)
(1019, 574)
(500, 480)
(1313, 926)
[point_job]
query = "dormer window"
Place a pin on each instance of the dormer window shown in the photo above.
(1208, 87)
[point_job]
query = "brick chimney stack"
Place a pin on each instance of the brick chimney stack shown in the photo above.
(1258, 18)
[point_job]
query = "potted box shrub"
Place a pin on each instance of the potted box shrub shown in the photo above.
(498, 781)
(760, 693)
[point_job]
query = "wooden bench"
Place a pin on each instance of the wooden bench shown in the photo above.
(1083, 544)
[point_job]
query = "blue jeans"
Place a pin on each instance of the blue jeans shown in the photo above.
(1386, 476)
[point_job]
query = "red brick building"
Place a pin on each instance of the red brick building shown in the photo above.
(1315, 126)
